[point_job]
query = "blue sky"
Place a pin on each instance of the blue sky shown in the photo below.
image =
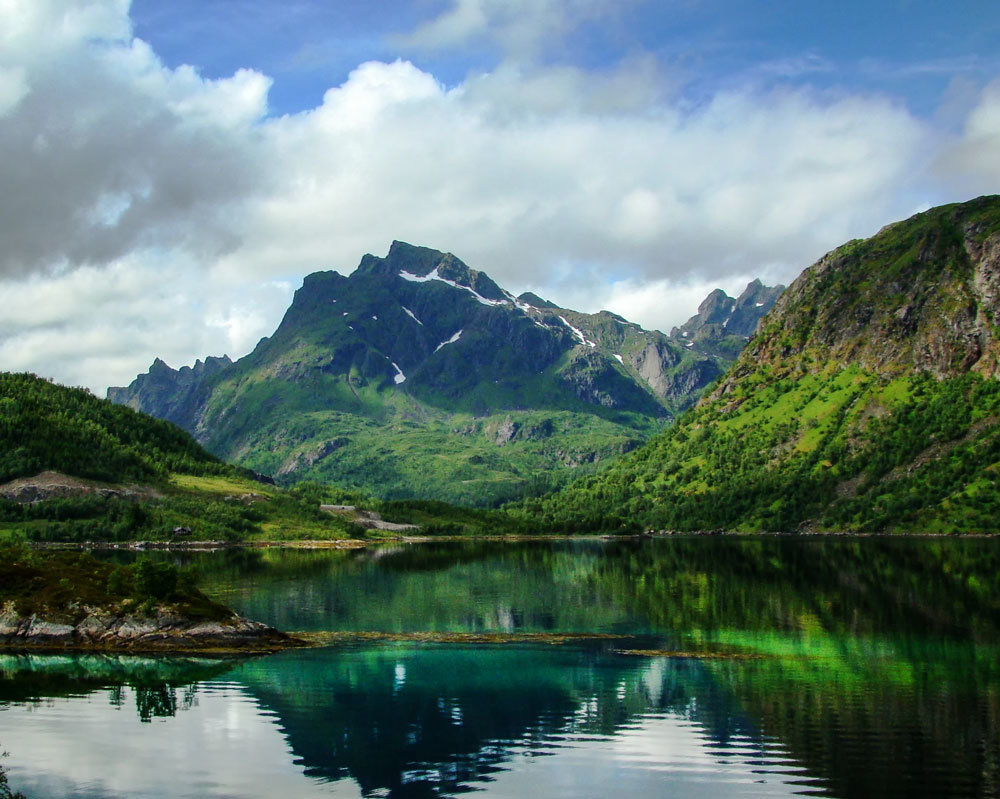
(173, 168)
(910, 50)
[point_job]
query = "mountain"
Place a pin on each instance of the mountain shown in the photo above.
(867, 400)
(418, 376)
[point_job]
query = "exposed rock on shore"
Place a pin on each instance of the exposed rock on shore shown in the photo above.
(162, 631)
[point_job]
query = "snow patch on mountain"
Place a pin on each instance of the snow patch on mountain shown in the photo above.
(452, 340)
(578, 333)
(433, 275)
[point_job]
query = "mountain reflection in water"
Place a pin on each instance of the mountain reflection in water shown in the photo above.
(879, 676)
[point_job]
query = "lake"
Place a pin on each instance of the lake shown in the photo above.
(701, 667)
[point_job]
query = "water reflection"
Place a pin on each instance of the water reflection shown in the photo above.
(30, 678)
(879, 675)
(405, 721)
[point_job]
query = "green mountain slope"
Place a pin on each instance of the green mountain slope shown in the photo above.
(867, 400)
(417, 376)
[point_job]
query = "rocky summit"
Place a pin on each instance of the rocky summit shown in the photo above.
(418, 376)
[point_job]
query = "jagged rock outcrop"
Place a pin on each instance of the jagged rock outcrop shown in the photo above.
(720, 318)
(179, 394)
(921, 295)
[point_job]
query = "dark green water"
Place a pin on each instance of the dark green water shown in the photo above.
(878, 676)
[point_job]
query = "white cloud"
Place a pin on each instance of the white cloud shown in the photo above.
(743, 182)
(100, 326)
(511, 92)
(148, 211)
(521, 28)
(105, 151)
(972, 161)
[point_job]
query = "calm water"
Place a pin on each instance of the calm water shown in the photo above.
(876, 673)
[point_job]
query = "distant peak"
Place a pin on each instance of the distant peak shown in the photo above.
(716, 299)
(737, 317)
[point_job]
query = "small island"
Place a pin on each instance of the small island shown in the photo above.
(71, 601)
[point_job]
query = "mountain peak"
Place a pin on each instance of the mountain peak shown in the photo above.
(418, 260)
(411, 262)
(719, 315)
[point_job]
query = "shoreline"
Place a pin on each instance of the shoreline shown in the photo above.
(172, 650)
(163, 633)
(361, 543)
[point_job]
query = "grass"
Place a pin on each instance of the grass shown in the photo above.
(217, 485)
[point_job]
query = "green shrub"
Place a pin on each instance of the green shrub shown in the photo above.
(121, 582)
(155, 580)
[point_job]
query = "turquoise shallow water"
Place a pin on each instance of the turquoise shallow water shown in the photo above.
(874, 672)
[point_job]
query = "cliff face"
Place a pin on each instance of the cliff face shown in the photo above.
(178, 395)
(921, 295)
(417, 355)
(868, 399)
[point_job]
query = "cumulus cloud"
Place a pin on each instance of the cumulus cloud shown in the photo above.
(99, 326)
(148, 211)
(972, 160)
(745, 182)
(105, 151)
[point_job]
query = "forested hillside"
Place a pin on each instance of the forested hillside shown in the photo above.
(867, 400)
(45, 426)
(142, 478)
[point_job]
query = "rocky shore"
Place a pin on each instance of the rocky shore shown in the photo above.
(160, 631)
